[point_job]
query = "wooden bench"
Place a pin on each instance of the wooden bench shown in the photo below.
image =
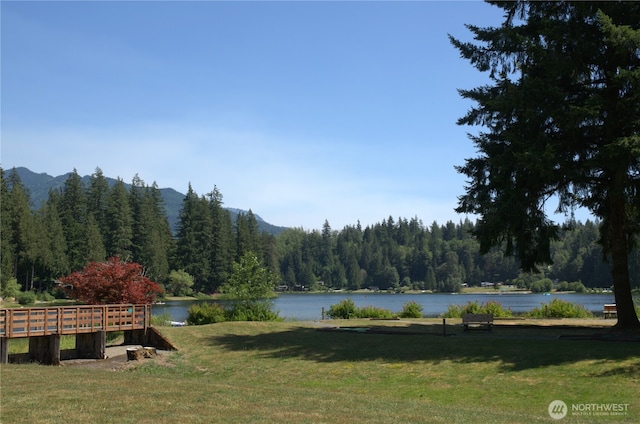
(609, 310)
(477, 321)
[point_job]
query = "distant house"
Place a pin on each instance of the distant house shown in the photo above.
(486, 284)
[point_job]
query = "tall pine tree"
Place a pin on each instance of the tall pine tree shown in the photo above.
(561, 117)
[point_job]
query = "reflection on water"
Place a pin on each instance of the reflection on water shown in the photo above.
(307, 306)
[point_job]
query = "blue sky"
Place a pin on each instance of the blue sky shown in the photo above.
(300, 111)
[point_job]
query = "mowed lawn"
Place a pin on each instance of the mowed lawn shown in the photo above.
(289, 372)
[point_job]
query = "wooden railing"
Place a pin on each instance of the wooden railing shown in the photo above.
(28, 322)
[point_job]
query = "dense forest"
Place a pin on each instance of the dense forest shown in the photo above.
(82, 223)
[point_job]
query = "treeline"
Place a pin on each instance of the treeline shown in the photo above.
(79, 224)
(405, 254)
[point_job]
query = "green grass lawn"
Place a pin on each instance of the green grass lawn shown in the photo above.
(290, 372)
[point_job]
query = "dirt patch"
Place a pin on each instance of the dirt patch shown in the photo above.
(116, 360)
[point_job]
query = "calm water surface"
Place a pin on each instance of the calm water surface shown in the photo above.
(307, 306)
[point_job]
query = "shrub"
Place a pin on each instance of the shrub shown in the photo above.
(559, 308)
(577, 287)
(45, 296)
(544, 285)
(180, 283)
(471, 308)
(490, 307)
(495, 308)
(26, 298)
(345, 309)
(374, 312)
(411, 310)
(10, 288)
(205, 313)
(253, 311)
(453, 311)
(248, 289)
(113, 281)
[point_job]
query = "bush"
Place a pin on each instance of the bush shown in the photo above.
(10, 288)
(542, 286)
(490, 307)
(180, 283)
(411, 310)
(374, 312)
(470, 308)
(45, 296)
(58, 293)
(346, 309)
(576, 286)
(205, 313)
(559, 308)
(253, 311)
(495, 308)
(453, 311)
(26, 298)
(248, 289)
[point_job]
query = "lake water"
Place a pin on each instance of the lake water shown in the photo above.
(304, 307)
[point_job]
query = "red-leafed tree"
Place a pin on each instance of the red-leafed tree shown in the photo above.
(111, 282)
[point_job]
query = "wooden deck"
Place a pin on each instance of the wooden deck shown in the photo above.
(32, 322)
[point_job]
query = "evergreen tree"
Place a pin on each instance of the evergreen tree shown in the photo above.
(247, 234)
(98, 200)
(562, 117)
(151, 235)
(73, 214)
(56, 263)
(7, 242)
(159, 243)
(96, 252)
(119, 222)
(195, 241)
(269, 252)
(222, 252)
(141, 219)
(22, 232)
(326, 257)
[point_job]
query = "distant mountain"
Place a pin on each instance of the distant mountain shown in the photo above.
(39, 186)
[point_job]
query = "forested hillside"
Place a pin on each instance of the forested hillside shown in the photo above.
(80, 223)
(40, 184)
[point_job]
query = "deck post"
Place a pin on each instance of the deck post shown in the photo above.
(91, 345)
(4, 350)
(45, 349)
(135, 337)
